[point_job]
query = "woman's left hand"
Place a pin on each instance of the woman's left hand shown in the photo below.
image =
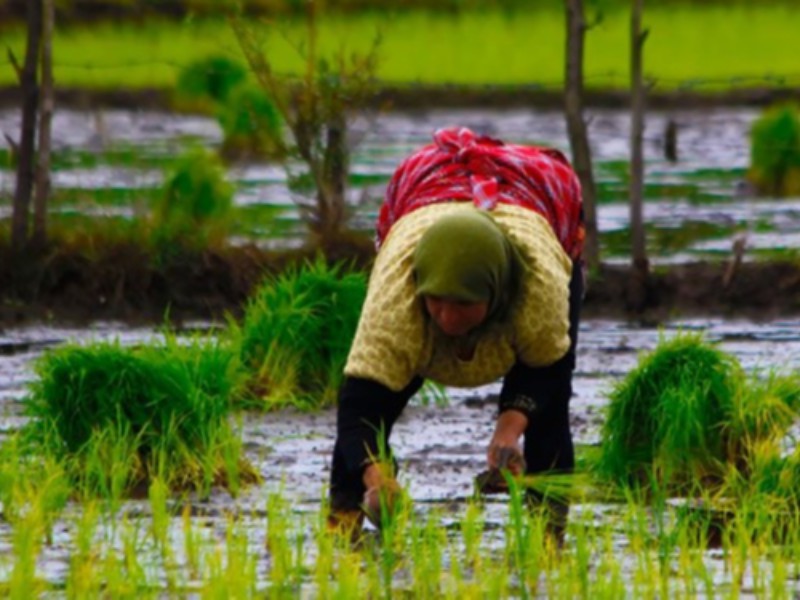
(511, 424)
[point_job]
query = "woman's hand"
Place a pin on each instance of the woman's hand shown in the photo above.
(382, 491)
(511, 424)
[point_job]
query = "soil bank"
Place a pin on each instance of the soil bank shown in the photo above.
(123, 282)
(419, 96)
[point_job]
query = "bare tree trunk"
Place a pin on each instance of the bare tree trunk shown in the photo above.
(43, 182)
(27, 146)
(638, 288)
(578, 137)
(334, 175)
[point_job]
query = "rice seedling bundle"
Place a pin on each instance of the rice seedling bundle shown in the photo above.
(775, 151)
(666, 419)
(196, 203)
(160, 406)
(212, 77)
(251, 124)
(297, 331)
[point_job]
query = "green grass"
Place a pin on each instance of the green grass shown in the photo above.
(703, 47)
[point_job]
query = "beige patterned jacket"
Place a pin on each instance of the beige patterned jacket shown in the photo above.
(396, 341)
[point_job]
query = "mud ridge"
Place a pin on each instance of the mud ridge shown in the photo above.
(123, 282)
(428, 96)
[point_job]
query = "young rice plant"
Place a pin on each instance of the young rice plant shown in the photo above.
(775, 151)
(120, 416)
(297, 330)
(688, 419)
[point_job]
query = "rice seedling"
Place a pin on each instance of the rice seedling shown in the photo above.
(666, 418)
(119, 416)
(231, 568)
(136, 578)
(251, 125)
(84, 579)
(195, 208)
(427, 542)
(26, 485)
(296, 333)
(775, 151)
(26, 542)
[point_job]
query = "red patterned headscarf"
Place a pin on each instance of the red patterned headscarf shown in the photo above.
(461, 167)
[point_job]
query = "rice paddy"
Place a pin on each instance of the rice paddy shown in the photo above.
(270, 539)
(143, 464)
(111, 171)
(690, 47)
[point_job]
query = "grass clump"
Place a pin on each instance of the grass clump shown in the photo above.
(196, 205)
(775, 151)
(297, 330)
(119, 416)
(666, 418)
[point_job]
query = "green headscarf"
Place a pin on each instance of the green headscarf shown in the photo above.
(466, 256)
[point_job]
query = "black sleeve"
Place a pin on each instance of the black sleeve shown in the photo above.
(367, 412)
(532, 390)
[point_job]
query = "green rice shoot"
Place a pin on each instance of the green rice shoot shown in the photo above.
(665, 418)
(687, 419)
(296, 333)
(118, 416)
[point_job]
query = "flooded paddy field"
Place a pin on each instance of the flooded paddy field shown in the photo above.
(440, 445)
(109, 166)
(696, 206)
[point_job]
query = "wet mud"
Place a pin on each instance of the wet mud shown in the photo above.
(440, 448)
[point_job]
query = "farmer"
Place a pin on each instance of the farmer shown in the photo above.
(477, 277)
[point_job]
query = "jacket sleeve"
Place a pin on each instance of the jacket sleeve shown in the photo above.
(367, 411)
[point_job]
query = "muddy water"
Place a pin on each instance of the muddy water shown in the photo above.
(441, 448)
(713, 151)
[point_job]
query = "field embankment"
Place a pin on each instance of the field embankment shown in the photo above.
(122, 282)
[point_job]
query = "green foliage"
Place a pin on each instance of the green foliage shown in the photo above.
(195, 207)
(775, 151)
(252, 125)
(210, 78)
(666, 418)
(120, 415)
(297, 331)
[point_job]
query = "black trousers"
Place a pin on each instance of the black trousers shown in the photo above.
(547, 440)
